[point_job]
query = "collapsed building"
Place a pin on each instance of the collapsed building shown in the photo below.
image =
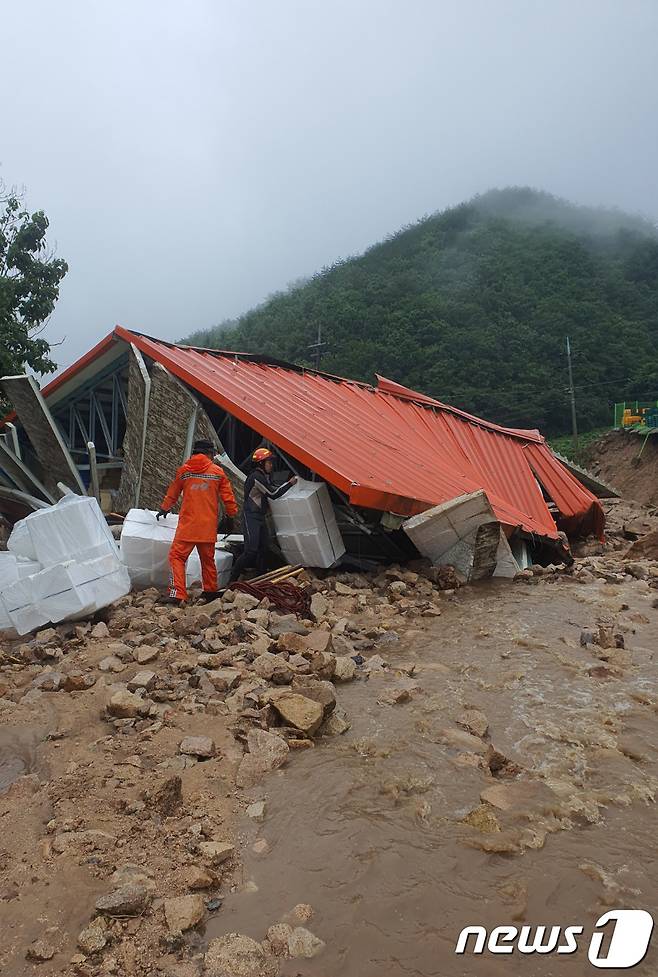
(404, 473)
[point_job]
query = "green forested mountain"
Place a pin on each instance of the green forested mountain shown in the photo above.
(472, 305)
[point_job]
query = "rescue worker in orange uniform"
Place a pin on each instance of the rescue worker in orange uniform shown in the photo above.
(202, 484)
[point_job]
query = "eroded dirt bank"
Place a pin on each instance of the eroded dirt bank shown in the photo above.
(492, 759)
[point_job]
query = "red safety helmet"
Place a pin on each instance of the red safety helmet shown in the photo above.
(262, 454)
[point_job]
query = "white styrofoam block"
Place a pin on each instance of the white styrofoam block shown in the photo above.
(28, 618)
(20, 541)
(74, 528)
(145, 545)
(437, 530)
(223, 562)
(8, 569)
(306, 527)
(27, 567)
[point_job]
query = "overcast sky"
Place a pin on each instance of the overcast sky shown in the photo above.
(195, 156)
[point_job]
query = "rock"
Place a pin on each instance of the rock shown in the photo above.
(303, 912)
(196, 878)
(49, 681)
(94, 937)
(225, 679)
(474, 722)
(343, 590)
(298, 711)
(374, 664)
(292, 642)
(398, 587)
(235, 955)
(586, 638)
(256, 811)
(142, 680)
(111, 664)
(302, 943)
(100, 630)
(145, 654)
(199, 746)
(267, 751)
(345, 669)
(40, 951)
(323, 664)
(128, 900)
(521, 795)
(216, 852)
(322, 692)
(245, 602)
(394, 695)
(277, 937)
(286, 624)
(319, 641)
(48, 636)
(183, 912)
(273, 668)
(459, 739)
(319, 606)
(127, 705)
(76, 680)
(336, 724)
(168, 797)
(483, 819)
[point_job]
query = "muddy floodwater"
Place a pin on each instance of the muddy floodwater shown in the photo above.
(404, 830)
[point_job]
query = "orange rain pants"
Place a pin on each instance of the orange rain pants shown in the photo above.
(178, 554)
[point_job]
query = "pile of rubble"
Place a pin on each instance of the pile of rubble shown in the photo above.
(229, 684)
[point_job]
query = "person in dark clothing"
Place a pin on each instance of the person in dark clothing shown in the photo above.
(259, 490)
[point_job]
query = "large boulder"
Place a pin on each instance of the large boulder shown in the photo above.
(267, 751)
(298, 711)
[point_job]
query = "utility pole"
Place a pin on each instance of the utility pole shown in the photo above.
(318, 347)
(572, 394)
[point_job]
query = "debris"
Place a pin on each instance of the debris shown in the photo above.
(266, 752)
(277, 938)
(216, 852)
(94, 937)
(303, 943)
(40, 951)
(474, 722)
(299, 711)
(183, 912)
(128, 900)
(127, 705)
(256, 811)
(202, 747)
(235, 955)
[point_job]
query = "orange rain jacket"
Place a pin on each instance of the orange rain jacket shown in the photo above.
(203, 484)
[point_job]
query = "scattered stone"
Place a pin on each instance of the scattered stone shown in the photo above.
(142, 680)
(225, 679)
(319, 606)
(345, 669)
(111, 664)
(145, 654)
(303, 943)
(394, 696)
(256, 811)
(216, 852)
(267, 751)
(49, 681)
(303, 912)
(261, 847)
(40, 951)
(127, 705)
(128, 900)
(336, 724)
(463, 741)
(100, 630)
(474, 722)
(94, 937)
(273, 668)
(319, 691)
(202, 747)
(168, 797)
(212, 905)
(235, 955)
(48, 636)
(483, 819)
(183, 912)
(277, 937)
(198, 878)
(299, 711)
(76, 680)
(374, 664)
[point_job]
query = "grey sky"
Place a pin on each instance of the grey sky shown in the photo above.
(194, 157)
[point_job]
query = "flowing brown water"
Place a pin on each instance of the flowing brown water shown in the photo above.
(369, 827)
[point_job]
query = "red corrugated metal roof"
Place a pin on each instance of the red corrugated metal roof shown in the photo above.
(388, 447)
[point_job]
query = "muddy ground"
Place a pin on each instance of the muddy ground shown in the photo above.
(491, 757)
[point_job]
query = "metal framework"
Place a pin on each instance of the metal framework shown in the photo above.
(96, 412)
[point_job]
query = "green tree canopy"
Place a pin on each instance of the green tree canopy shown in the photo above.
(473, 306)
(29, 287)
